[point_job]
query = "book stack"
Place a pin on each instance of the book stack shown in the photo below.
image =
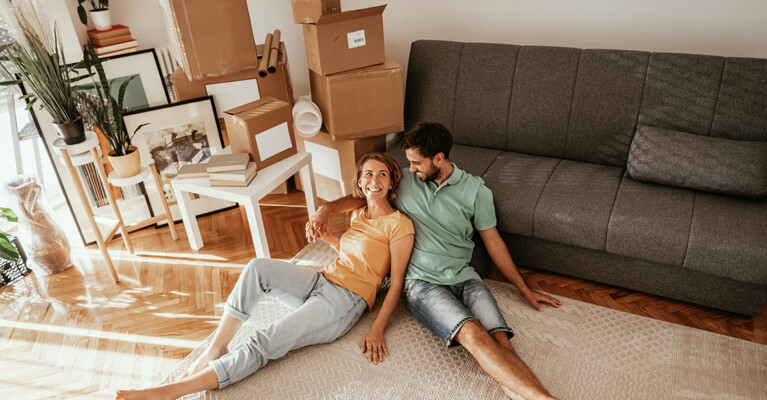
(117, 40)
(223, 170)
(231, 169)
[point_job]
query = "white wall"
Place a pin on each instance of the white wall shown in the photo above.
(727, 28)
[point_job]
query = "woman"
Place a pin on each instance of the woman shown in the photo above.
(326, 304)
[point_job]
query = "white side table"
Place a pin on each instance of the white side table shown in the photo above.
(84, 153)
(265, 181)
(117, 180)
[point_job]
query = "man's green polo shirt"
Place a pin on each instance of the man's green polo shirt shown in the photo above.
(444, 218)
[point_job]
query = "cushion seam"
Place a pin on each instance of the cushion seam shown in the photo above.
(511, 94)
(689, 230)
(538, 200)
(718, 93)
(455, 89)
(612, 207)
(572, 100)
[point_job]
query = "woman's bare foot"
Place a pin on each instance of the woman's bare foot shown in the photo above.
(156, 393)
(210, 354)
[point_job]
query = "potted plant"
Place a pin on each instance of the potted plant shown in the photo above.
(105, 111)
(7, 249)
(36, 53)
(100, 15)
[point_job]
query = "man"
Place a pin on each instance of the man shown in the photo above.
(442, 291)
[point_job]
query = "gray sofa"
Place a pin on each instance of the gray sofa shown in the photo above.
(642, 170)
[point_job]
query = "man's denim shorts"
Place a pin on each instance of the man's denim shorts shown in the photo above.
(443, 309)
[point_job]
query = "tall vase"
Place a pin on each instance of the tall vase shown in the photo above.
(72, 132)
(45, 243)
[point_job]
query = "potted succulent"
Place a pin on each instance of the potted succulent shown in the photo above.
(105, 111)
(36, 53)
(100, 15)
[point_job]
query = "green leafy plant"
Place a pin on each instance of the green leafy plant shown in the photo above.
(102, 108)
(96, 5)
(7, 251)
(37, 55)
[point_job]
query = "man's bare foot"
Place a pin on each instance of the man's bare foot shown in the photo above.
(147, 394)
(210, 354)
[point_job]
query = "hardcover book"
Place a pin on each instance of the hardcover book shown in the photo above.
(242, 175)
(115, 47)
(192, 171)
(228, 162)
(117, 30)
(111, 40)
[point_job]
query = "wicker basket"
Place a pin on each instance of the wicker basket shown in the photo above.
(13, 270)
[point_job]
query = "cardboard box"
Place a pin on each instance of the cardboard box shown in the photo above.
(365, 102)
(333, 162)
(263, 128)
(309, 11)
(210, 38)
(345, 41)
(275, 84)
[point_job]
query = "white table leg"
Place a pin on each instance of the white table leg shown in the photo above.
(257, 228)
(190, 220)
(307, 179)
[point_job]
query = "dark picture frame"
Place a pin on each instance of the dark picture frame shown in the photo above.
(145, 64)
(185, 132)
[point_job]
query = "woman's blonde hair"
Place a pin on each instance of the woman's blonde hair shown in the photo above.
(394, 173)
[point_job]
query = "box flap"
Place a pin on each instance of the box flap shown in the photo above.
(258, 103)
(389, 64)
(350, 15)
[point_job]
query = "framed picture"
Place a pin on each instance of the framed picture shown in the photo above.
(186, 132)
(146, 90)
(233, 94)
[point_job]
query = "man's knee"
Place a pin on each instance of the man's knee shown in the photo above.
(472, 335)
(503, 339)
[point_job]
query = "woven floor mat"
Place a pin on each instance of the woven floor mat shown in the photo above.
(580, 351)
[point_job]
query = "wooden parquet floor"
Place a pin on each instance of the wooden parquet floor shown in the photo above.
(77, 335)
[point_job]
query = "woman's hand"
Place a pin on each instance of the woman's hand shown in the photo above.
(375, 346)
(317, 224)
(324, 234)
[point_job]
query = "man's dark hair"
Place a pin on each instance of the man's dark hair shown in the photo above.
(428, 138)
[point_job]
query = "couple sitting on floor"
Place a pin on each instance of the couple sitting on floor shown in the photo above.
(436, 200)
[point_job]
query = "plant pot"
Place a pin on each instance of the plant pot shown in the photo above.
(127, 165)
(102, 19)
(72, 131)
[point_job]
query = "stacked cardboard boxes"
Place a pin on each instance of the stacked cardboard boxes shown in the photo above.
(358, 89)
(214, 44)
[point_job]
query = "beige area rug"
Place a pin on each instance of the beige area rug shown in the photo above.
(580, 351)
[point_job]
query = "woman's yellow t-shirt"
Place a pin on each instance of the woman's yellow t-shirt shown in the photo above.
(365, 258)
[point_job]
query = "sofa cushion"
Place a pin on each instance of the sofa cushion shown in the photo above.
(575, 205)
(432, 72)
(681, 91)
(605, 105)
(474, 160)
(699, 162)
(482, 94)
(728, 237)
(741, 107)
(650, 222)
(540, 103)
(517, 181)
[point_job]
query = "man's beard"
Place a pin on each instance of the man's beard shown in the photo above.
(430, 177)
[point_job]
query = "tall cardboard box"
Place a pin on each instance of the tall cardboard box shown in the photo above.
(361, 103)
(210, 38)
(309, 11)
(333, 162)
(276, 84)
(263, 128)
(344, 41)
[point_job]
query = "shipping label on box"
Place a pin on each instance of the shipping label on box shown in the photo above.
(263, 128)
(361, 103)
(210, 38)
(345, 41)
(309, 11)
(334, 162)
